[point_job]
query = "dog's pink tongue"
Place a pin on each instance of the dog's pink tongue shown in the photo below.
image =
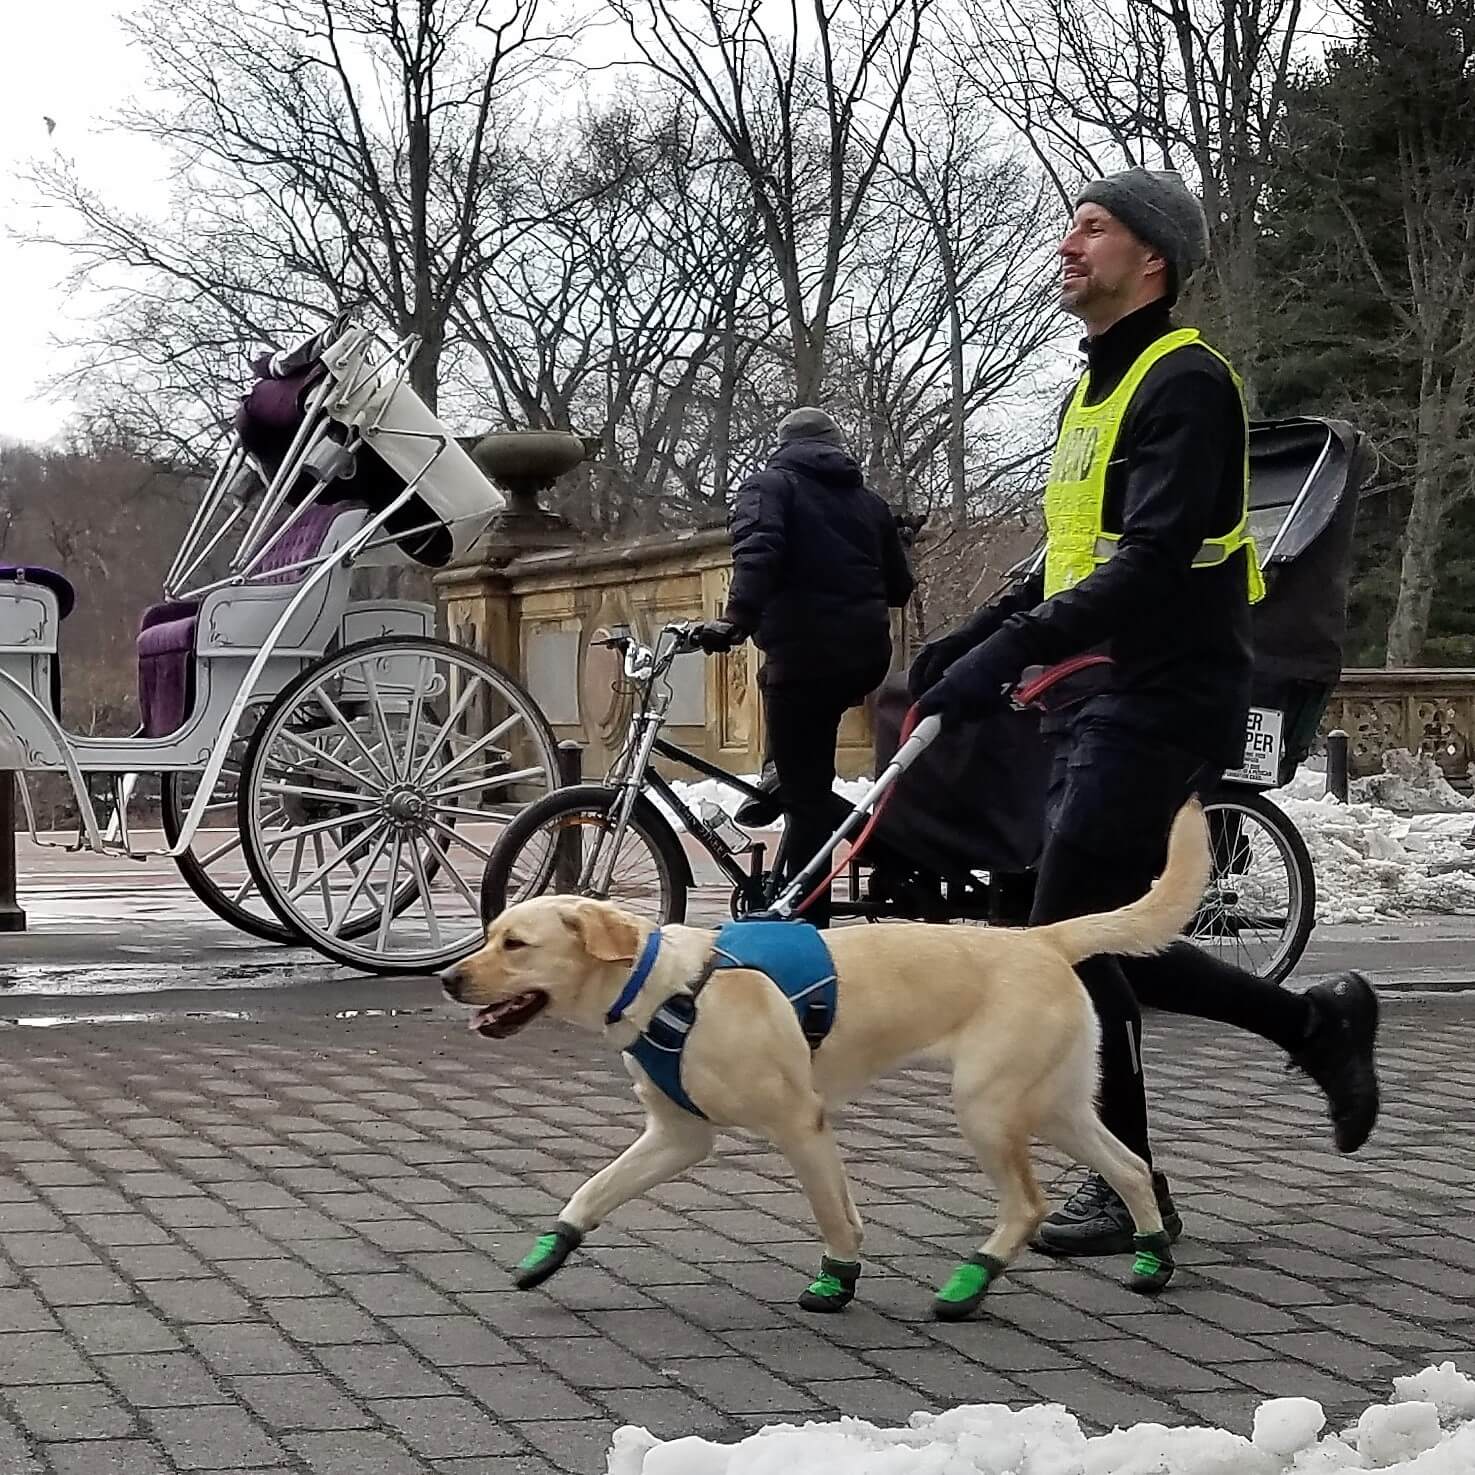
(481, 1017)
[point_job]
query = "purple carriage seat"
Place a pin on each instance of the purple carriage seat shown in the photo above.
(166, 633)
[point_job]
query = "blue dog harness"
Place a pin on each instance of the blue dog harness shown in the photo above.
(792, 955)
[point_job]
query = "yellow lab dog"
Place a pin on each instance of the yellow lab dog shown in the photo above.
(1003, 1008)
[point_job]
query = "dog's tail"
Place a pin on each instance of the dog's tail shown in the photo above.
(1151, 924)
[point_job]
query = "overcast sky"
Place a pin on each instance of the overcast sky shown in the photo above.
(63, 59)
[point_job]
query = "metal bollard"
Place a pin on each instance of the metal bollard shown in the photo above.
(1336, 764)
(570, 764)
(568, 865)
(12, 918)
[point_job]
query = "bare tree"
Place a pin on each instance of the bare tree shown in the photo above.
(1422, 54)
(808, 127)
(329, 153)
(635, 312)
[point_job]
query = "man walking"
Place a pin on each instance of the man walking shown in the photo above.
(1148, 558)
(817, 563)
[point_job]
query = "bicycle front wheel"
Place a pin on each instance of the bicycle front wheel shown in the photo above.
(561, 845)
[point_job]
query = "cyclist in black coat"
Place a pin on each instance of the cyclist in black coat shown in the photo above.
(818, 563)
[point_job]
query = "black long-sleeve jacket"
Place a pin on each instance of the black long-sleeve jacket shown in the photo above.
(1179, 636)
(817, 561)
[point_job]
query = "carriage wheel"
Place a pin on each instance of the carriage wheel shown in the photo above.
(214, 867)
(393, 765)
(1260, 905)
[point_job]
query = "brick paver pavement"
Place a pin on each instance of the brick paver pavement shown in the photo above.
(282, 1245)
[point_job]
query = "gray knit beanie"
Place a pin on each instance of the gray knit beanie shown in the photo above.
(1160, 210)
(808, 423)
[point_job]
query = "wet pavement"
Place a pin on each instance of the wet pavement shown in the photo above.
(256, 1214)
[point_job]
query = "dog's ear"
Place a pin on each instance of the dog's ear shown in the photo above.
(605, 931)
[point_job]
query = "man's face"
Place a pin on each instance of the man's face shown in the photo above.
(1102, 263)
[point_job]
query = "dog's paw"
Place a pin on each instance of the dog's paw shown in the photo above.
(963, 1291)
(1153, 1267)
(834, 1288)
(547, 1255)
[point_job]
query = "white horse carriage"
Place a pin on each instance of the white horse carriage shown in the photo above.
(331, 772)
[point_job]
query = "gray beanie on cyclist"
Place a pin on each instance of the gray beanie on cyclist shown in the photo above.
(809, 423)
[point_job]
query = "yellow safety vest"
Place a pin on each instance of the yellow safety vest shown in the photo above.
(1075, 493)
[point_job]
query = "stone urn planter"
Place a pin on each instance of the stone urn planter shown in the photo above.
(525, 462)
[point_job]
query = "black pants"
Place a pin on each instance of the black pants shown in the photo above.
(803, 720)
(1111, 803)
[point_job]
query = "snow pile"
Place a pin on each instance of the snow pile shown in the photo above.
(1428, 1429)
(1396, 849)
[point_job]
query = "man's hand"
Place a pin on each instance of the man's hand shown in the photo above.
(975, 685)
(935, 657)
(716, 636)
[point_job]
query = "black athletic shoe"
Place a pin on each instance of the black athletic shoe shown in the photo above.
(1338, 1055)
(1095, 1221)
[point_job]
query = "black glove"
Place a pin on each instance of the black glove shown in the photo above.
(977, 683)
(716, 636)
(935, 657)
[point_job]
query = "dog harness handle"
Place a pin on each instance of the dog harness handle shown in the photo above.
(636, 980)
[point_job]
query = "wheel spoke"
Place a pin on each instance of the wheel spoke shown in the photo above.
(345, 854)
(454, 874)
(295, 870)
(211, 856)
(306, 791)
(427, 901)
(460, 839)
(493, 781)
(377, 707)
(480, 745)
(323, 884)
(318, 826)
(315, 752)
(331, 708)
(412, 728)
(335, 922)
(462, 702)
(386, 914)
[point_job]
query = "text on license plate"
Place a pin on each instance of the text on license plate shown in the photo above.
(1262, 747)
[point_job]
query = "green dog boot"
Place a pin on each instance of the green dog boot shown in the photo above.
(966, 1287)
(550, 1251)
(1153, 1267)
(834, 1290)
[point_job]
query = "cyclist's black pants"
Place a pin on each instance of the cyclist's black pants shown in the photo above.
(803, 720)
(1111, 802)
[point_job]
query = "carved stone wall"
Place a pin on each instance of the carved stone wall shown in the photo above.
(1424, 710)
(535, 614)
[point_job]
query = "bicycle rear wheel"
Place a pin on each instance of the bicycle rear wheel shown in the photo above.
(1260, 904)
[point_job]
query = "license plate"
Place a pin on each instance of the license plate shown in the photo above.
(1262, 748)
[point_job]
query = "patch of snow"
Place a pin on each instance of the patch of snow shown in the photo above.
(1395, 850)
(1410, 1436)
